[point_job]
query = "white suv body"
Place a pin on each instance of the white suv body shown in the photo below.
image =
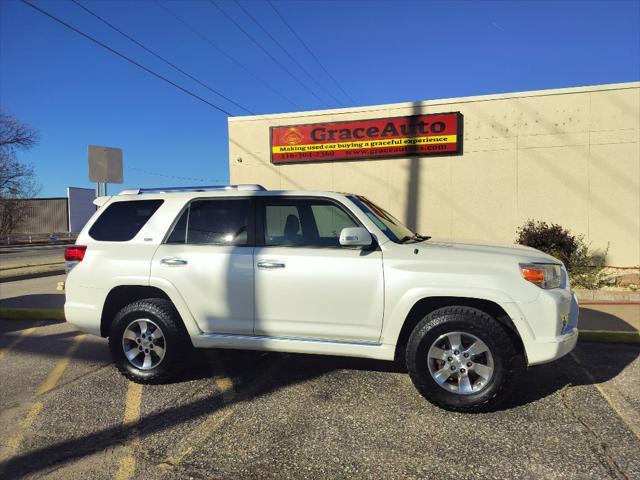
(276, 294)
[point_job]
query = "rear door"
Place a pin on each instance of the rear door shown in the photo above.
(306, 284)
(209, 258)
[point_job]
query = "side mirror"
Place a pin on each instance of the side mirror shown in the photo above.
(355, 237)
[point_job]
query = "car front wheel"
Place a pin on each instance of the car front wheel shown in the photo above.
(462, 359)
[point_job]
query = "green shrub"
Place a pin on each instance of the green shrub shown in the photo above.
(585, 267)
(551, 239)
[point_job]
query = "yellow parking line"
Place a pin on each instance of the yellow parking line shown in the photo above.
(13, 444)
(31, 416)
(225, 385)
(197, 437)
(56, 374)
(203, 431)
(19, 338)
(132, 405)
(16, 439)
(127, 465)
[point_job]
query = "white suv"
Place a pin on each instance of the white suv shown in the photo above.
(160, 271)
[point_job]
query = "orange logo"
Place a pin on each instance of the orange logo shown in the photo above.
(292, 137)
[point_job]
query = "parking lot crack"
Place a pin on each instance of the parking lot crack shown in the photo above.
(601, 444)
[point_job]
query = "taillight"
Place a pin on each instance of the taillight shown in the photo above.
(75, 253)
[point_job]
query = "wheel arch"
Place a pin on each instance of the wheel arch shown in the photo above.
(426, 305)
(122, 295)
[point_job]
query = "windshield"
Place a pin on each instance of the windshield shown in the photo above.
(386, 222)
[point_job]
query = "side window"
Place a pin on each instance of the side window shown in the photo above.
(304, 223)
(121, 221)
(213, 222)
(281, 224)
(330, 220)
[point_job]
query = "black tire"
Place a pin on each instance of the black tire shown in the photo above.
(507, 360)
(177, 344)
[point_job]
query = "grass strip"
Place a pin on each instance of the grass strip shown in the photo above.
(32, 313)
(609, 336)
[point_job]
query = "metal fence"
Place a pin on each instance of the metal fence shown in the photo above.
(37, 238)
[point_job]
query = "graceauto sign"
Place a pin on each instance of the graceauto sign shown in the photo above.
(416, 135)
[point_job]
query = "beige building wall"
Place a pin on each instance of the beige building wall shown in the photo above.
(568, 156)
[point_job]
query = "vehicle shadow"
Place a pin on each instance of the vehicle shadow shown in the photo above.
(257, 374)
(17, 325)
(581, 367)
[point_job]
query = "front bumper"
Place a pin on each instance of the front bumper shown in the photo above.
(544, 352)
(553, 323)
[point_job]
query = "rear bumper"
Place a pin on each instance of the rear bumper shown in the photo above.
(83, 306)
(82, 316)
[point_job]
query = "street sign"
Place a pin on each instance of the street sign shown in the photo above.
(105, 164)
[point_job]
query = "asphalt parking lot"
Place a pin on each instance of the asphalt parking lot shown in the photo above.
(67, 413)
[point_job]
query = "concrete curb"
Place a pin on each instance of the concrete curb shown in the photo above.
(12, 274)
(32, 265)
(28, 276)
(606, 296)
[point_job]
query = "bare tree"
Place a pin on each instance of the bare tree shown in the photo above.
(17, 179)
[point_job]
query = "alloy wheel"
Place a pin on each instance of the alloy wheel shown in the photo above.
(460, 363)
(143, 344)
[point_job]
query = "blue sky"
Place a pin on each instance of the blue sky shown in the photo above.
(75, 93)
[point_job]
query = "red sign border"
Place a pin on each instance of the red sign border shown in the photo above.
(458, 151)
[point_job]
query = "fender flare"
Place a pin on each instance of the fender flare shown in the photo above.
(397, 314)
(178, 301)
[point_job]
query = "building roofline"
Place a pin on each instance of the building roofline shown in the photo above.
(443, 101)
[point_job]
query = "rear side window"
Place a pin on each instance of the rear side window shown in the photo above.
(121, 221)
(213, 222)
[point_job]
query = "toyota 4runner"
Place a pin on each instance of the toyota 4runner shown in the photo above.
(161, 271)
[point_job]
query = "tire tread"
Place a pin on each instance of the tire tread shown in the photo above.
(172, 328)
(479, 319)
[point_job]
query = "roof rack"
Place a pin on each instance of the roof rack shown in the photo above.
(204, 188)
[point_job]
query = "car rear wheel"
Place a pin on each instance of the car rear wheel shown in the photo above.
(148, 342)
(462, 359)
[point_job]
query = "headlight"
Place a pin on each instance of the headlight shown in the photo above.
(545, 275)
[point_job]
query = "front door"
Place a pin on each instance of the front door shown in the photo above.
(208, 257)
(306, 284)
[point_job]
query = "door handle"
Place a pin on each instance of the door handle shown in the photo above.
(270, 264)
(172, 261)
